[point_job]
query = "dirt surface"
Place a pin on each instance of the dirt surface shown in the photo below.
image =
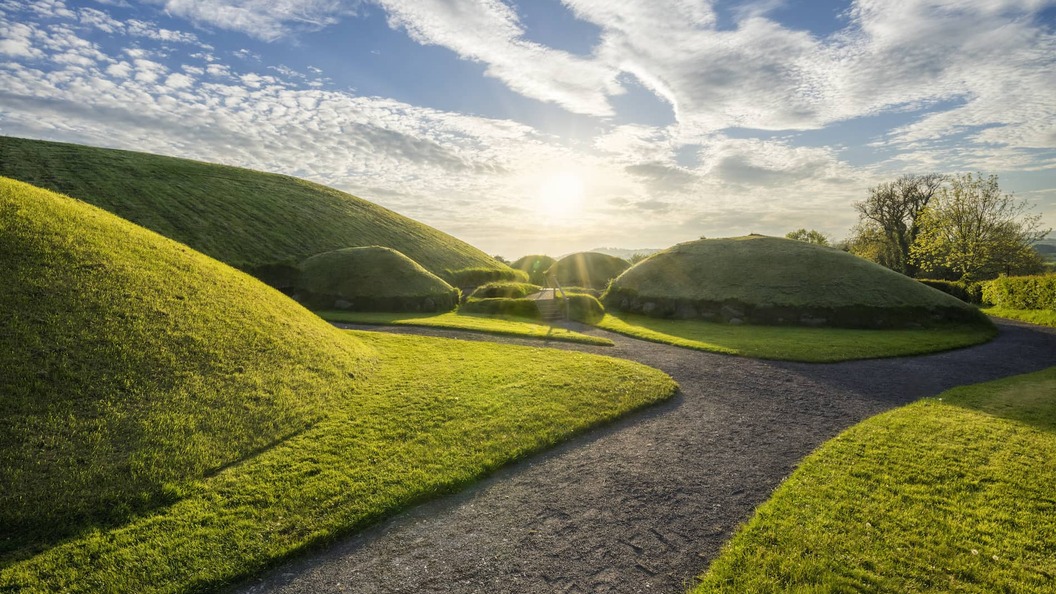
(645, 504)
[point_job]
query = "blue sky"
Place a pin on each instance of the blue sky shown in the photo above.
(557, 125)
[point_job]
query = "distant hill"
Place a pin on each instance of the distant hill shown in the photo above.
(625, 253)
(251, 220)
(129, 362)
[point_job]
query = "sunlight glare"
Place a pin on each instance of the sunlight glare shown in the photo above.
(560, 194)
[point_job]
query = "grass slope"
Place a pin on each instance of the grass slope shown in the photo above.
(130, 363)
(587, 269)
(438, 415)
(522, 328)
(168, 424)
(794, 343)
(772, 278)
(950, 494)
(245, 218)
(372, 278)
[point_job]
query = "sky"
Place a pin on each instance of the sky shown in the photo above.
(551, 126)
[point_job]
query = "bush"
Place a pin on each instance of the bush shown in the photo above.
(474, 277)
(968, 292)
(1021, 292)
(522, 308)
(585, 308)
(505, 290)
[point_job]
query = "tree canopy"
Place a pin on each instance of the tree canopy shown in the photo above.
(888, 220)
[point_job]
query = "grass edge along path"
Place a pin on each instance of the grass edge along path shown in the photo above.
(430, 420)
(473, 323)
(1041, 317)
(796, 343)
(952, 493)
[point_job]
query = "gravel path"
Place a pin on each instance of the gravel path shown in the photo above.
(645, 504)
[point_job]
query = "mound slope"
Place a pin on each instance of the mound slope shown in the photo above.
(130, 364)
(535, 266)
(259, 222)
(372, 279)
(769, 280)
(588, 269)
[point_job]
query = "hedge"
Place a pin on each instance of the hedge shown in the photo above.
(474, 277)
(1021, 292)
(581, 308)
(505, 290)
(965, 291)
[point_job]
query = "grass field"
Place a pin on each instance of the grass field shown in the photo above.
(1041, 317)
(792, 343)
(241, 217)
(949, 494)
(474, 323)
(171, 424)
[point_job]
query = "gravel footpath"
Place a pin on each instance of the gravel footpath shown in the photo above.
(645, 504)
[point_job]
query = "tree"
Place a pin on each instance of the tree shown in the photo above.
(812, 236)
(978, 232)
(887, 220)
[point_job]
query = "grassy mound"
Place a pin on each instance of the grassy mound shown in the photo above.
(767, 280)
(372, 279)
(535, 266)
(504, 290)
(130, 364)
(949, 494)
(259, 222)
(588, 269)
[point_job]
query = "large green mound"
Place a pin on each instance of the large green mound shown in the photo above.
(131, 364)
(372, 279)
(259, 222)
(535, 266)
(768, 280)
(588, 269)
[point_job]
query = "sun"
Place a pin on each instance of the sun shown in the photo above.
(560, 195)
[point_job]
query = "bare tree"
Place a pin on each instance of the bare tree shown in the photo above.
(890, 216)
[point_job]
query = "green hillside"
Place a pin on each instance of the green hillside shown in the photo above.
(773, 280)
(587, 269)
(248, 219)
(129, 363)
(372, 279)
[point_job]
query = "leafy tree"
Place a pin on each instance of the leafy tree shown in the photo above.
(811, 236)
(637, 257)
(978, 232)
(888, 220)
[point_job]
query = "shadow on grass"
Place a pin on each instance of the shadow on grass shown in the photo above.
(1028, 399)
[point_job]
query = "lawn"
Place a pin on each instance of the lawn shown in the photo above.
(795, 343)
(434, 416)
(1041, 317)
(950, 494)
(519, 327)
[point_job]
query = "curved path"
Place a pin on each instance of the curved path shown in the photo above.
(645, 504)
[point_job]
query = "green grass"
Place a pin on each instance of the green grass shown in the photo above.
(129, 363)
(245, 218)
(778, 281)
(435, 415)
(587, 269)
(169, 424)
(474, 323)
(372, 279)
(949, 494)
(794, 343)
(1041, 317)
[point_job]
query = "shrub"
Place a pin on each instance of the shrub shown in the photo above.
(968, 292)
(474, 277)
(1021, 292)
(585, 308)
(505, 290)
(522, 308)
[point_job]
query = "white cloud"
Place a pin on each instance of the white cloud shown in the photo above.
(263, 19)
